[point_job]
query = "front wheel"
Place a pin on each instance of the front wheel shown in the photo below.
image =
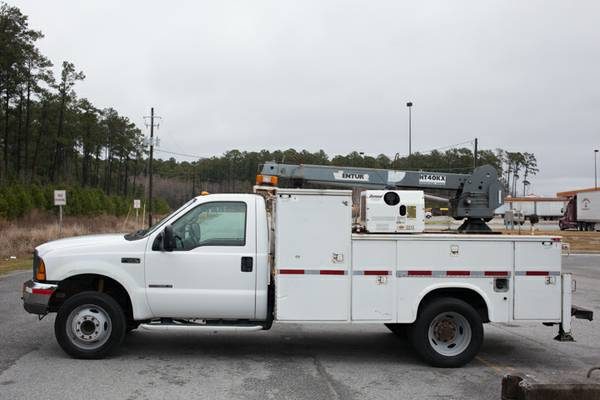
(448, 333)
(90, 325)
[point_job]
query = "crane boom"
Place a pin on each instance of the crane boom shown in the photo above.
(476, 195)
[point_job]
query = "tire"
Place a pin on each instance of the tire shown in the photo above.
(461, 339)
(90, 325)
(398, 329)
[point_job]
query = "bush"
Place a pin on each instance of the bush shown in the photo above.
(18, 200)
(38, 198)
(160, 206)
(3, 207)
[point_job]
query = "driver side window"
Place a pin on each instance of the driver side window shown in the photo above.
(219, 223)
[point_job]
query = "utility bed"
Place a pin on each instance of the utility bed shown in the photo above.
(323, 272)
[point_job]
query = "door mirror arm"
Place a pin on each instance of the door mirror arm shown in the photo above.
(157, 244)
(168, 239)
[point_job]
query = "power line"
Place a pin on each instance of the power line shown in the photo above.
(449, 146)
(182, 154)
(472, 141)
(175, 142)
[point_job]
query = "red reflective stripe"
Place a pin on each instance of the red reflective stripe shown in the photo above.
(331, 272)
(537, 273)
(496, 273)
(376, 273)
(458, 273)
(291, 271)
(45, 292)
(556, 239)
(419, 273)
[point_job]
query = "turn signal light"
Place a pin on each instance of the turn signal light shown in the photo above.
(40, 274)
(267, 180)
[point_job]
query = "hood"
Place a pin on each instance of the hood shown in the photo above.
(78, 242)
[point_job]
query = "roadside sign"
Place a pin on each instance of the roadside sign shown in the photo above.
(137, 203)
(60, 200)
(60, 197)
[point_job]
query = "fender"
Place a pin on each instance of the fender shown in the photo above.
(135, 288)
(451, 285)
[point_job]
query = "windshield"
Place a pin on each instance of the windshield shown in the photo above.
(145, 232)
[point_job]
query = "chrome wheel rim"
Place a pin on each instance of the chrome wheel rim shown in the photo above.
(449, 334)
(89, 326)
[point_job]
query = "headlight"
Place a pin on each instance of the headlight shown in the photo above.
(40, 275)
(39, 268)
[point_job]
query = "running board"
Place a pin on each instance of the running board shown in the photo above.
(192, 327)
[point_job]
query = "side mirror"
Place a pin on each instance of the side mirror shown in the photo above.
(168, 239)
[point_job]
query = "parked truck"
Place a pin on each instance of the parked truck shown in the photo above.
(245, 261)
(582, 211)
(544, 208)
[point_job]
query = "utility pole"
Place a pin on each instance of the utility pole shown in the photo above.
(475, 154)
(409, 105)
(151, 142)
(596, 169)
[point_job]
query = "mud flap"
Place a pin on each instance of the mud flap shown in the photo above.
(582, 313)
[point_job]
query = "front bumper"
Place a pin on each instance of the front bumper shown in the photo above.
(36, 296)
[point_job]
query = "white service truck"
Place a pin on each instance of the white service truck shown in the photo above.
(244, 261)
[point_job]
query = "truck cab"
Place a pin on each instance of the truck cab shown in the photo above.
(214, 264)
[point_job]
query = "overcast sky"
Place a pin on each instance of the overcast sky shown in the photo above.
(335, 75)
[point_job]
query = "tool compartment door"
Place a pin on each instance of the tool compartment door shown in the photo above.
(537, 280)
(373, 266)
(313, 255)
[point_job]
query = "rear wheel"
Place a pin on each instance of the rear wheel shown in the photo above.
(448, 333)
(90, 325)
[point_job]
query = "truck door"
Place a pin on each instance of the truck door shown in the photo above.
(211, 273)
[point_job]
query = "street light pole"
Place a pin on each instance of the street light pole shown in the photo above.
(409, 105)
(596, 169)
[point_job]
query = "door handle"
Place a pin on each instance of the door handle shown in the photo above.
(247, 264)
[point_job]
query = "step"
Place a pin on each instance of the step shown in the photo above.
(200, 327)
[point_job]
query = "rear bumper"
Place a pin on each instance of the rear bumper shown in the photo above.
(36, 296)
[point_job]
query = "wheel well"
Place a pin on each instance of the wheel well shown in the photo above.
(91, 282)
(469, 296)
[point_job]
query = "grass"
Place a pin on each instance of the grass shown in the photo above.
(19, 238)
(579, 242)
(7, 266)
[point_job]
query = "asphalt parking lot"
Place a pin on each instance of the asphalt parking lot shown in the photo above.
(288, 362)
